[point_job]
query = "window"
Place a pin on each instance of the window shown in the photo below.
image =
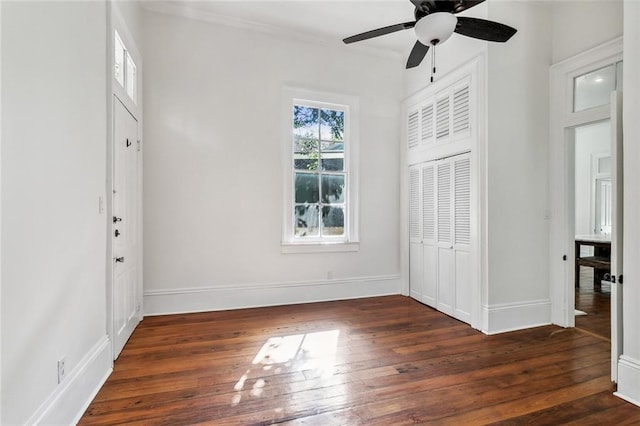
(321, 146)
(594, 88)
(124, 68)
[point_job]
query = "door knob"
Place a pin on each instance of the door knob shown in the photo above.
(117, 219)
(120, 259)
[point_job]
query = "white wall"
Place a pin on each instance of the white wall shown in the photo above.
(579, 25)
(629, 366)
(53, 236)
(1, 364)
(131, 13)
(517, 169)
(213, 182)
(591, 140)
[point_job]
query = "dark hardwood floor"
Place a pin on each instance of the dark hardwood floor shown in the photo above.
(376, 361)
(596, 303)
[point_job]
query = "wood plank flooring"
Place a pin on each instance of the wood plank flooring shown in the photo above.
(596, 303)
(377, 361)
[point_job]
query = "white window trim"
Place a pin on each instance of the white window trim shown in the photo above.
(291, 95)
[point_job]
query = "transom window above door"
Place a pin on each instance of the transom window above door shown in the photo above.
(594, 88)
(124, 68)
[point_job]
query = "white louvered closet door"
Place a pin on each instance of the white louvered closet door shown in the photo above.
(463, 297)
(415, 234)
(440, 235)
(444, 246)
(429, 285)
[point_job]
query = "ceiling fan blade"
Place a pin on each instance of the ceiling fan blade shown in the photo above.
(417, 55)
(380, 31)
(483, 29)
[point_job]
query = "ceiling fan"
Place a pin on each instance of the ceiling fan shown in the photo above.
(436, 22)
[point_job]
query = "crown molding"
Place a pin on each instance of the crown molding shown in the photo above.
(184, 10)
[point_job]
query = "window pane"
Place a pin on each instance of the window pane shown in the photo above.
(594, 89)
(332, 156)
(332, 128)
(131, 78)
(307, 188)
(118, 62)
(305, 122)
(306, 221)
(332, 220)
(333, 164)
(305, 164)
(305, 146)
(332, 189)
(332, 146)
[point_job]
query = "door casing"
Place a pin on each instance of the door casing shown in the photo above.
(116, 22)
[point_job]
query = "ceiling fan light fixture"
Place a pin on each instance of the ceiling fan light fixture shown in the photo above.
(435, 28)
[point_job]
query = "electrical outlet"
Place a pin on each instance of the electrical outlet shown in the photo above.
(61, 369)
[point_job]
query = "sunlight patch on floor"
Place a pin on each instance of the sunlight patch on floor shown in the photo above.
(310, 352)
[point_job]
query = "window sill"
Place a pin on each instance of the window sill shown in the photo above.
(288, 247)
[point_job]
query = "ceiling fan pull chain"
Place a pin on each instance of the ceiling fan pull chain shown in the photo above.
(433, 62)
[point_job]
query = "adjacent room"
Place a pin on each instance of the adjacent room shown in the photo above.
(319, 212)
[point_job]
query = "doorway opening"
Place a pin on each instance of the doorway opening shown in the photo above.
(586, 243)
(592, 194)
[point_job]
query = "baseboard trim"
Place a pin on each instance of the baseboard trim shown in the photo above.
(219, 298)
(516, 316)
(628, 380)
(68, 402)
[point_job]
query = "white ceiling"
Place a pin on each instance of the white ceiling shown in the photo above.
(327, 20)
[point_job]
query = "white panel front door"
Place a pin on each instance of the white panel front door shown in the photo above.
(126, 264)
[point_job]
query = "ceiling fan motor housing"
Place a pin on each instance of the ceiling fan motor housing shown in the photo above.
(435, 28)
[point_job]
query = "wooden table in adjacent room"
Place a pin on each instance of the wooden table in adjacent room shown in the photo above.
(600, 261)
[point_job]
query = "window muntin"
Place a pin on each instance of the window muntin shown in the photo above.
(320, 175)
